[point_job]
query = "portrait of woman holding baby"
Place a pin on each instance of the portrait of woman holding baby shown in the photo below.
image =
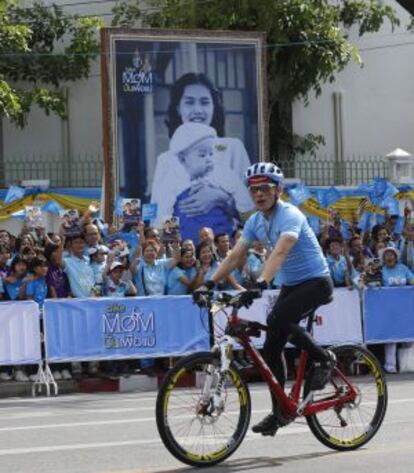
(214, 82)
(194, 99)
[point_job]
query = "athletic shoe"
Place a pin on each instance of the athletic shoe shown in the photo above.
(21, 376)
(268, 426)
(66, 374)
(4, 376)
(57, 375)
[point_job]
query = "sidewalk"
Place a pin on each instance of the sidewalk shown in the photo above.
(86, 385)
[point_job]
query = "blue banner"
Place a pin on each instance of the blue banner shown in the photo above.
(389, 314)
(117, 328)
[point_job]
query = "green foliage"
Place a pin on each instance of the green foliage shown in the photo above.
(307, 43)
(41, 47)
(125, 14)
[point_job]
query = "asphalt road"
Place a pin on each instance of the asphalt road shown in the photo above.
(116, 433)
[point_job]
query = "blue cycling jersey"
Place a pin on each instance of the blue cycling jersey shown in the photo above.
(305, 260)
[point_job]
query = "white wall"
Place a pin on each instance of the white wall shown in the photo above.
(378, 98)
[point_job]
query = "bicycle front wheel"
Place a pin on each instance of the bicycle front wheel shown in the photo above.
(197, 425)
(353, 424)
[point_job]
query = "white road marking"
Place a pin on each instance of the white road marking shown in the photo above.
(115, 410)
(125, 443)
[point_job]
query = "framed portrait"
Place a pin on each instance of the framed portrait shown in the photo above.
(183, 117)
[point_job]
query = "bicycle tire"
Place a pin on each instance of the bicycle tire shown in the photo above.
(364, 368)
(234, 385)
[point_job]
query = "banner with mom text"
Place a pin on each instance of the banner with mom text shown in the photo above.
(119, 328)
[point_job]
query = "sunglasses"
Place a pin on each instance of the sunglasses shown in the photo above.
(261, 188)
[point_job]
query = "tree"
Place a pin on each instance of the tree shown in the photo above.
(306, 44)
(41, 47)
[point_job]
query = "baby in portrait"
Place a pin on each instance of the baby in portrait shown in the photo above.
(192, 146)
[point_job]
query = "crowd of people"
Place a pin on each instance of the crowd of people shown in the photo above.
(95, 262)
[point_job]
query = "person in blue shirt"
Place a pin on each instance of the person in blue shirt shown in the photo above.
(37, 287)
(306, 283)
(150, 275)
(77, 268)
(149, 271)
(207, 266)
(340, 266)
(14, 284)
(116, 285)
(393, 274)
(98, 255)
(180, 279)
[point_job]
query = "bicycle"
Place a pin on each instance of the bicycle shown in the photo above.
(203, 406)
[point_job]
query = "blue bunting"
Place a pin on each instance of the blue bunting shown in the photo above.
(380, 190)
(365, 222)
(380, 219)
(299, 194)
(331, 196)
(14, 193)
(391, 205)
(52, 207)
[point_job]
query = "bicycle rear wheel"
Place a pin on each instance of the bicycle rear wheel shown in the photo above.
(196, 428)
(353, 424)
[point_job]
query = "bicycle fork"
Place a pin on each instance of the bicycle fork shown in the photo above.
(216, 402)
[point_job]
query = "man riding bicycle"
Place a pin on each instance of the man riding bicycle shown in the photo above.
(304, 274)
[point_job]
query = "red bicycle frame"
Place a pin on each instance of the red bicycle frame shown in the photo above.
(290, 403)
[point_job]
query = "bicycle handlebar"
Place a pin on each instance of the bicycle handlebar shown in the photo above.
(242, 299)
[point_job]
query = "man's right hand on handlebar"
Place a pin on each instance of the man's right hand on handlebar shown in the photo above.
(204, 298)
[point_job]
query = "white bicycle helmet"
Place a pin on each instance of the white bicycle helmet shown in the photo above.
(269, 170)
